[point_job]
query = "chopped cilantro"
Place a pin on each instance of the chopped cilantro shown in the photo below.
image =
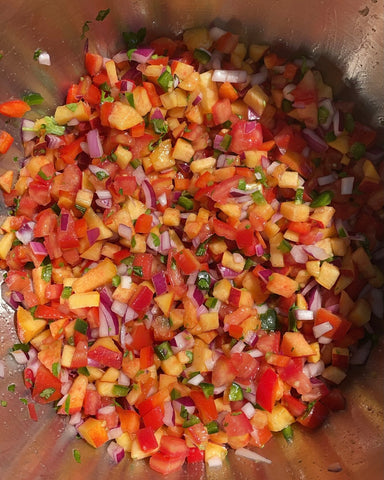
(76, 455)
(102, 14)
(47, 392)
(37, 53)
(33, 98)
(46, 272)
(133, 39)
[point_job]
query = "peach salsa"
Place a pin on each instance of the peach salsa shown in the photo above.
(190, 248)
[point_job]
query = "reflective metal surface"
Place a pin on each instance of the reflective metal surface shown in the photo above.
(347, 38)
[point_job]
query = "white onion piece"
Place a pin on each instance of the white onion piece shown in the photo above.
(314, 369)
(251, 455)
(238, 347)
(125, 281)
(321, 329)
(324, 340)
(255, 353)
(115, 433)
(298, 254)
(248, 409)
(20, 357)
(107, 410)
(2, 368)
(347, 185)
(44, 59)
(215, 33)
(231, 76)
(123, 379)
(327, 179)
(272, 167)
(196, 380)
(287, 92)
(215, 462)
(162, 199)
(304, 314)
(75, 418)
(316, 252)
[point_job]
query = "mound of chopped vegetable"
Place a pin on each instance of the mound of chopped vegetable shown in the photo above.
(189, 248)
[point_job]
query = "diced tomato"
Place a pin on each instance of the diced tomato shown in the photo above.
(165, 464)
(129, 420)
(154, 418)
(14, 108)
(295, 406)
(143, 223)
(222, 229)
(223, 372)
(6, 141)
(164, 46)
(141, 337)
(195, 455)
(146, 438)
(32, 411)
(315, 417)
(92, 402)
(236, 423)
(267, 389)
(125, 184)
(141, 299)
(246, 136)
(46, 223)
(294, 376)
(246, 366)
(93, 63)
(334, 400)
(49, 313)
(221, 111)
(187, 261)
(173, 446)
(205, 406)
(227, 42)
(47, 387)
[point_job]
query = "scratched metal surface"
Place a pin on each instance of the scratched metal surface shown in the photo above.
(346, 38)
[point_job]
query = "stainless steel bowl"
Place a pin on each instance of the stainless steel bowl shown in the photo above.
(346, 38)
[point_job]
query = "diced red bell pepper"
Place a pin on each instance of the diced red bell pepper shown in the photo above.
(6, 141)
(14, 108)
(187, 261)
(315, 417)
(141, 299)
(147, 440)
(223, 229)
(154, 418)
(205, 406)
(267, 389)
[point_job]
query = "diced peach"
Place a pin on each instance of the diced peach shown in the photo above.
(27, 326)
(94, 432)
(361, 312)
(101, 275)
(76, 396)
(165, 301)
(282, 285)
(295, 345)
(295, 212)
(124, 116)
(6, 181)
(328, 275)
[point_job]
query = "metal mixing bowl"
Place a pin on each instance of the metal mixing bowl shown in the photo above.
(346, 38)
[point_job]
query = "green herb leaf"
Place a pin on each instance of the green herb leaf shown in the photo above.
(202, 56)
(212, 427)
(21, 346)
(203, 280)
(56, 369)
(46, 272)
(116, 280)
(185, 202)
(155, 239)
(192, 420)
(120, 390)
(285, 246)
(269, 320)
(226, 142)
(260, 175)
(242, 184)
(175, 394)
(67, 404)
(138, 270)
(133, 39)
(102, 175)
(50, 126)
(323, 199)
(163, 350)
(330, 137)
(207, 388)
(288, 434)
(286, 105)
(81, 326)
(322, 114)
(3, 403)
(11, 387)
(133, 242)
(349, 122)
(36, 53)
(165, 80)
(76, 455)
(160, 126)
(357, 150)
(299, 196)
(66, 293)
(131, 100)
(106, 98)
(292, 323)
(83, 371)
(33, 99)
(235, 393)
(47, 392)
(258, 198)
(102, 14)
(85, 28)
(71, 106)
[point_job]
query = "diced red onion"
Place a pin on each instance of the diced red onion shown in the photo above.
(103, 194)
(308, 287)
(196, 380)
(64, 219)
(273, 166)
(123, 379)
(53, 141)
(119, 308)
(314, 300)
(250, 126)
(186, 402)
(316, 143)
(338, 123)
(182, 341)
(20, 357)
(314, 369)
(127, 85)
(160, 283)
(139, 173)
(276, 217)
(231, 76)
(197, 100)
(227, 272)
(195, 295)
(202, 309)
(327, 179)
(250, 338)
(95, 170)
(75, 419)
(25, 233)
(107, 203)
(130, 315)
(165, 242)
(361, 354)
(94, 144)
(287, 92)
(142, 55)
(27, 130)
(298, 254)
(149, 194)
(44, 59)
(251, 455)
(304, 314)
(324, 340)
(124, 231)
(169, 414)
(316, 252)
(109, 323)
(114, 433)
(238, 347)
(252, 115)
(259, 77)
(217, 143)
(85, 148)
(93, 235)
(255, 353)
(222, 159)
(347, 185)
(248, 409)
(321, 329)
(115, 451)
(120, 57)
(265, 274)
(162, 199)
